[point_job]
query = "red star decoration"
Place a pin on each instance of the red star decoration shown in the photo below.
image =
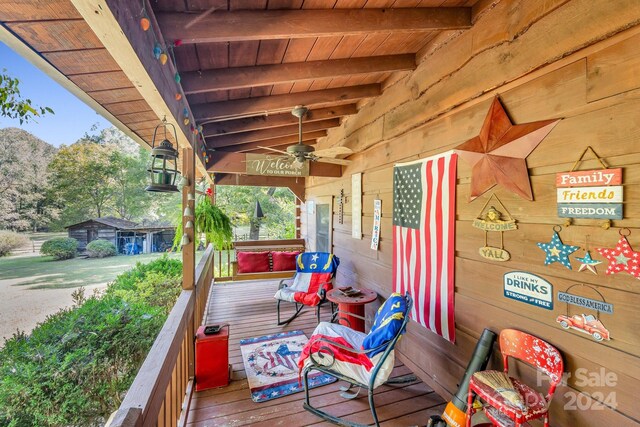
(622, 258)
(498, 154)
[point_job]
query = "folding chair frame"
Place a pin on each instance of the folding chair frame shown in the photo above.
(300, 306)
(315, 365)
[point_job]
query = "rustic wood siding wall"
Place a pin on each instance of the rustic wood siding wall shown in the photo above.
(80, 233)
(577, 60)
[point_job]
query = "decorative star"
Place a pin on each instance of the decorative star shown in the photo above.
(588, 263)
(557, 251)
(622, 258)
(497, 155)
(314, 257)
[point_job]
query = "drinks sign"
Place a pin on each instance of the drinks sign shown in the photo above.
(261, 164)
(595, 194)
(528, 288)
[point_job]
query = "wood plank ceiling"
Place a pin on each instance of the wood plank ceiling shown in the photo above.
(246, 63)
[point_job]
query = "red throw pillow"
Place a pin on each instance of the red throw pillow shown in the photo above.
(284, 261)
(253, 262)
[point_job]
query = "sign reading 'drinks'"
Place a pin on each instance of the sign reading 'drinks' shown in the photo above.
(528, 288)
(261, 164)
(593, 194)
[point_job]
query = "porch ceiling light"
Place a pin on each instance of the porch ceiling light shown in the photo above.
(164, 162)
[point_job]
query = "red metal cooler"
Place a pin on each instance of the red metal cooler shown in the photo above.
(212, 359)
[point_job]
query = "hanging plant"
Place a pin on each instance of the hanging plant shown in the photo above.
(211, 221)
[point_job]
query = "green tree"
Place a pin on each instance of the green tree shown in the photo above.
(13, 105)
(278, 205)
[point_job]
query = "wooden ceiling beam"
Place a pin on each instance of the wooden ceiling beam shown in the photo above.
(296, 185)
(235, 163)
(308, 137)
(283, 103)
(258, 135)
(241, 25)
(276, 120)
(265, 75)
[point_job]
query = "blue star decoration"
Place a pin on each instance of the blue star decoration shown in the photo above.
(557, 251)
(588, 263)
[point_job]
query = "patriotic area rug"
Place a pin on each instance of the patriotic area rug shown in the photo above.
(271, 363)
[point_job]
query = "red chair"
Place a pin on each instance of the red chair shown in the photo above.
(534, 352)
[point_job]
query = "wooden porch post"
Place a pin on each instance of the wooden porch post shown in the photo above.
(189, 250)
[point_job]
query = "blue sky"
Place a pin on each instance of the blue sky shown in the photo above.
(72, 118)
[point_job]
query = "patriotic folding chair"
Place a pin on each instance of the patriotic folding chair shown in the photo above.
(362, 360)
(314, 277)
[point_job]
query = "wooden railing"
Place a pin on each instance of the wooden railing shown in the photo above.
(161, 392)
(222, 264)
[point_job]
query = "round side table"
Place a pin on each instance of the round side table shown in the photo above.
(352, 305)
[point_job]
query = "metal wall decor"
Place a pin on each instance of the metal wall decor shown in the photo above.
(595, 194)
(586, 262)
(622, 257)
(492, 220)
(341, 201)
(528, 288)
(377, 214)
(557, 251)
(585, 323)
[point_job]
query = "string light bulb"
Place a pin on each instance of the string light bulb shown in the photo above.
(178, 96)
(163, 58)
(145, 23)
(157, 51)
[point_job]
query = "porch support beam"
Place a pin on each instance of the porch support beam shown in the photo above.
(259, 135)
(188, 250)
(276, 120)
(264, 75)
(235, 163)
(241, 25)
(283, 103)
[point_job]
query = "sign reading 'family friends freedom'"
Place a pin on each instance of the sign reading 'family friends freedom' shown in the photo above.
(528, 288)
(593, 194)
(266, 165)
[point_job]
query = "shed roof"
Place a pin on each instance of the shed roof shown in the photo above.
(109, 221)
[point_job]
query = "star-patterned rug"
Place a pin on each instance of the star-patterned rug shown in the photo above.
(271, 364)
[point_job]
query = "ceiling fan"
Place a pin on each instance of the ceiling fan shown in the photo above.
(302, 152)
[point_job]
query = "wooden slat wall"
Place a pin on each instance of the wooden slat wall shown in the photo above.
(576, 60)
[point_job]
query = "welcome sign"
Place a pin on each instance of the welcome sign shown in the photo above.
(595, 194)
(266, 165)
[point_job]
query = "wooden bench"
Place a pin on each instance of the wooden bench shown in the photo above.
(289, 245)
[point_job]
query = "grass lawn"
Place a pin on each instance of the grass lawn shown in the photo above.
(45, 273)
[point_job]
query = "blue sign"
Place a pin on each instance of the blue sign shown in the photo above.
(528, 288)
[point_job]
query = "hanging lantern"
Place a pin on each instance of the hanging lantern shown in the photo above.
(164, 162)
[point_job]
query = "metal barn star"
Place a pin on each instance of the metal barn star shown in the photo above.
(557, 251)
(622, 258)
(497, 155)
(588, 263)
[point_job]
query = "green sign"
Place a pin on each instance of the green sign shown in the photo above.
(267, 165)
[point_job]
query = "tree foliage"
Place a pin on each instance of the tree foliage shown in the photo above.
(25, 189)
(13, 105)
(278, 205)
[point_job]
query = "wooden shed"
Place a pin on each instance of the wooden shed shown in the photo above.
(128, 237)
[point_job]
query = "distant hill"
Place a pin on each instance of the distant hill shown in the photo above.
(23, 168)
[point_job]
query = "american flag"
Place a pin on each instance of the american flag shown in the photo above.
(424, 200)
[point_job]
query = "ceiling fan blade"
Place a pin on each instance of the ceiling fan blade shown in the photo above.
(333, 152)
(277, 151)
(343, 162)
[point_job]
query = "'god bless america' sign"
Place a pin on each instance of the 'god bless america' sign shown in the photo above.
(593, 194)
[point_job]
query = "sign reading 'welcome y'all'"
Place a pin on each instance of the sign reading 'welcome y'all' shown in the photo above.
(593, 194)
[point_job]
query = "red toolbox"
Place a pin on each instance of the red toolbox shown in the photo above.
(212, 358)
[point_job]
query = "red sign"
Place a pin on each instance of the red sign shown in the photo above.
(590, 178)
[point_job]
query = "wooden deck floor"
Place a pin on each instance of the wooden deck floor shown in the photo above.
(250, 310)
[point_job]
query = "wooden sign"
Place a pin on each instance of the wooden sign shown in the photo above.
(491, 219)
(356, 205)
(494, 254)
(595, 194)
(528, 288)
(377, 214)
(266, 165)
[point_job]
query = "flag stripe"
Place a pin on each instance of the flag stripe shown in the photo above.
(424, 238)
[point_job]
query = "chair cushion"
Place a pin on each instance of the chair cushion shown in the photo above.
(306, 288)
(535, 402)
(284, 261)
(387, 323)
(352, 365)
(253, 262)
